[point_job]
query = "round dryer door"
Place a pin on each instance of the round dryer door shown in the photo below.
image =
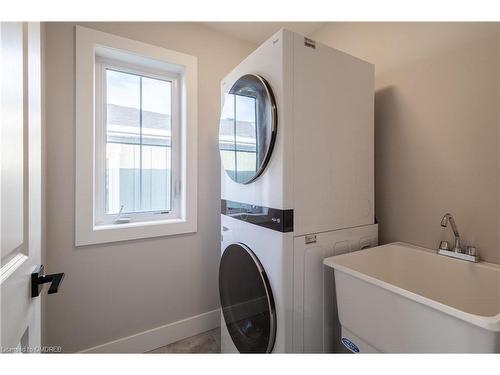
(246, 300)
(247, 128)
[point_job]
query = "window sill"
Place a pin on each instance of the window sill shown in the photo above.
(133, 224)
(106, 233)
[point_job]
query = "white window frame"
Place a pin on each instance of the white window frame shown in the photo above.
(95, 52)
(101, 217)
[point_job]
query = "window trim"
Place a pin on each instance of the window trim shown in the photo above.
(94, 48)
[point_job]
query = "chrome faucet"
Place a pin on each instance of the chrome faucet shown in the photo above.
(444, 223)
(469, 253)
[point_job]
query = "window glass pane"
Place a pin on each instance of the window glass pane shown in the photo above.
(156, 177)
(122, 178)
(138, 143)
(156, 116)
(123, 107)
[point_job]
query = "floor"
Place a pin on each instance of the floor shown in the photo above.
(207, 342)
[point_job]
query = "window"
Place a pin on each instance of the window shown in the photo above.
(137, 162)
(137, 118)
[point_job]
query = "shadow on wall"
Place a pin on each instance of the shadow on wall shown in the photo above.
(386, 114)
(402, 144)
(436, 128)
(405, 184)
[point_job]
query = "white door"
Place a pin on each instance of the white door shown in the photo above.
(20, 187)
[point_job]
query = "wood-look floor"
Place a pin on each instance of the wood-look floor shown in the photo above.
(207, 342)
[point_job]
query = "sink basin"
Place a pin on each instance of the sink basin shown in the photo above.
(400, 298)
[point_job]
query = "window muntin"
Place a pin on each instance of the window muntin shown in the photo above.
(137, 165)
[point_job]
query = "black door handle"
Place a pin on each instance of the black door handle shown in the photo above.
(38, 278)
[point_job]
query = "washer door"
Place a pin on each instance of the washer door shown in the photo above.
(247, 301)
(247, 128)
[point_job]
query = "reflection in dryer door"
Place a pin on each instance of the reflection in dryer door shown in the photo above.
(247, 128)
(247, 301)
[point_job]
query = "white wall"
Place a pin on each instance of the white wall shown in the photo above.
(115, 290)
(436, 127)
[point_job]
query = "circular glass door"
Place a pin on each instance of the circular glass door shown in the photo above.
(247, 128)
(246, 300)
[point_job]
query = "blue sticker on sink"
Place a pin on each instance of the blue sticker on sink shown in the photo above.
(350, 345)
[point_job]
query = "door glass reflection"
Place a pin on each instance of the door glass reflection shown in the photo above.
(227, 136)
(247, 128)
(246, 137)
(246, 300)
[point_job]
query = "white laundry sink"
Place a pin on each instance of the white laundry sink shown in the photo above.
(402, 298)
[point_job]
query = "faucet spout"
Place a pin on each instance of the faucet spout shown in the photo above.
(444, 223)
(469, 253)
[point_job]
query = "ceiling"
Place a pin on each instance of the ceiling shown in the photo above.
(258, 32)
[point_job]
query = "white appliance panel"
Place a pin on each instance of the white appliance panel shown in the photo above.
(333, 152)
(316, 326)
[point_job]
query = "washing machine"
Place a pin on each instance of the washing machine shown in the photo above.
(296, 146)
(276, 295)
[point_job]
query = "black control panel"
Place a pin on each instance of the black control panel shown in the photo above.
(272, 218)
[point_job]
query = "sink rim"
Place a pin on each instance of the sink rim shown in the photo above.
(490, 323)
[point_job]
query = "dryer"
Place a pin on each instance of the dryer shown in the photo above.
(299, 134)
(296, 143)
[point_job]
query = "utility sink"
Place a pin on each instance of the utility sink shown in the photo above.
(400, 298)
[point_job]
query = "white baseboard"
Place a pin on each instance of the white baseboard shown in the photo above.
(160, 336)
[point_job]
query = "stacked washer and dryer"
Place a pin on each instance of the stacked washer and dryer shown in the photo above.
(297, 147)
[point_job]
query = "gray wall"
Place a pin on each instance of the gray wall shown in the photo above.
(119, 289)
(436, 127)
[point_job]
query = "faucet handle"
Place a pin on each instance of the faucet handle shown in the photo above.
(471, 250)
(444, 245)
